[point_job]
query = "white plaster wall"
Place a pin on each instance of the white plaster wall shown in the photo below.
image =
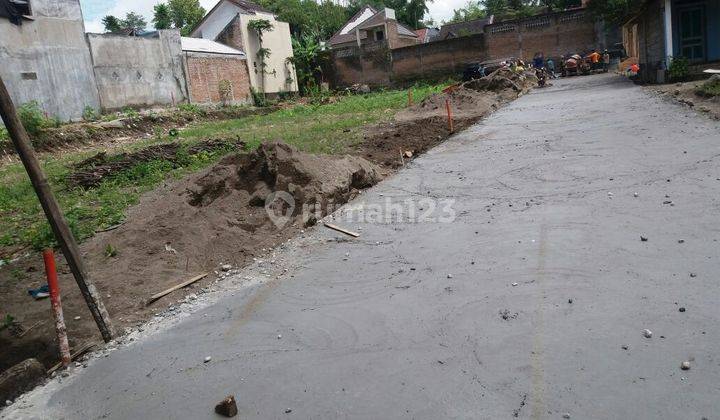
(54, 49)
(279, 42)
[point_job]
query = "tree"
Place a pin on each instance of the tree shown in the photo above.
(615, 12)
(134, 21)
(186, 14)
(472, 10)
(306, 59)
(161, 16)
(112, 24)
(309, 17)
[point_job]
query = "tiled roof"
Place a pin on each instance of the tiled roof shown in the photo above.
(456, 30)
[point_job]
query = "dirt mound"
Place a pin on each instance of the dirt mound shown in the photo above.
(424, 125)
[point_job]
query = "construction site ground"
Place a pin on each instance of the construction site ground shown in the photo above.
(567, 269)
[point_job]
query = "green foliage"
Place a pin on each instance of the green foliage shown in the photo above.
(259, 98)
(307, 57)
(112, 24)
(90, 114)
(471, 11)
(34, 119)
(260, 26)
(709, 89)
(309, 17)
(162, 18)
(408, 12)
(508, 9)
(110, 251)
(4, 135)
(615, 12)
(191, 108)
(7, 322)
(186, 14)
(132, 21)
(679, 69)
(225, 90)
(129, 112)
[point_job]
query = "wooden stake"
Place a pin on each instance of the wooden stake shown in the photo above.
(176, 287)
(410, 98)
(449, 115)
(341, 230)
(55, 217)
(54, 286)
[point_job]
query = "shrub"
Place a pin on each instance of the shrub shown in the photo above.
(129, 112)
(259, 99)
(90, 114)
(33, 118)
(711, 87)
(191, 108)
(679, 69)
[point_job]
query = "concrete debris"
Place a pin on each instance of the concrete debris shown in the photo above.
(226, 267)
(685, 365)
(647, 333)
(207, 359)
(566, 415)
(227, 407)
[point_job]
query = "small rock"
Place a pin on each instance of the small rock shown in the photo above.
(625, 347)
(693, 275)
(279, 336)
(685, 365)
(227, 407)
(681, 241)
(570, 301)
(226, 267)
(288, 410)
(647, 333)
(514, 284)
(8, 402)
(681, 309)
(643, 239)
(449, 276)
(208, 359)
(636, 195)
(566, 415)
(77, 318)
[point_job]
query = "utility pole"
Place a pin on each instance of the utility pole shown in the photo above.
(55, 217)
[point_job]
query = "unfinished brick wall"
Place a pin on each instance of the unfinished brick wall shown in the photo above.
(206, 71)
(232, 35)
(437, 59)
(553, 34)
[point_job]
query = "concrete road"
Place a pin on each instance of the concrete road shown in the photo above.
(531, 303)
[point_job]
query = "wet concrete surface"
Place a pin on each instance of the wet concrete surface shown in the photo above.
(531, 303)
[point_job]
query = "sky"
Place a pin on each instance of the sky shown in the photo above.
(94, 10)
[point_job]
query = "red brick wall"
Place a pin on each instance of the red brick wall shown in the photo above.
(232, 35)
(552, 34)
(205, 71)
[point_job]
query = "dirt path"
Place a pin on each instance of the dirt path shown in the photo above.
(529, 303)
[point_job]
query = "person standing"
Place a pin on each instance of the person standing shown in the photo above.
(594, 59)
(550, 64)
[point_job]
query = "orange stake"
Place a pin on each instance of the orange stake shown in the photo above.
(54, 286)
(449, 113)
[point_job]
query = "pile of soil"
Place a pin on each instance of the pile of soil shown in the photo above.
(222, 215)
(425, 125)
(687, 94)
(189, 227)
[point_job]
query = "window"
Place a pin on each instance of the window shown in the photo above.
(14, 10)
(692, 33)
(379, 35)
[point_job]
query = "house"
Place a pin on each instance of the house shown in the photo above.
(371, 27)
(673, 28)
(426, 35)
(215, 72)
(460, 29)
(45, 58)
(227, 23)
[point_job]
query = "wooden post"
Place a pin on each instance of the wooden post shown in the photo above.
(410, 97)
(57, 221)
(55, 302)
(449, 115)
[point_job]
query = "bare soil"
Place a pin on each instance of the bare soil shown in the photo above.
(219, 216)
(685, 93)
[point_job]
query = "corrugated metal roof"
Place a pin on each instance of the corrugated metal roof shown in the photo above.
(207, 46)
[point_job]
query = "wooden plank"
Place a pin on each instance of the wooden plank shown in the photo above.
(176, 287)
(79, 352)
(341, 230)
(55, 217)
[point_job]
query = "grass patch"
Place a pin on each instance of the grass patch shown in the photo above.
(710, 88)
(314, 128)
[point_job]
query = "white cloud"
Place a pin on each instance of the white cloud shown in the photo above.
(441, 10)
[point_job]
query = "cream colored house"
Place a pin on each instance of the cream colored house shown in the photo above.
(227, 23)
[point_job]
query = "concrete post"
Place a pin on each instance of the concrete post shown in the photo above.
(668, 33)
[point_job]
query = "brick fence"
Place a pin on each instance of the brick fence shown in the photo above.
(554, 34)
(205, 72)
